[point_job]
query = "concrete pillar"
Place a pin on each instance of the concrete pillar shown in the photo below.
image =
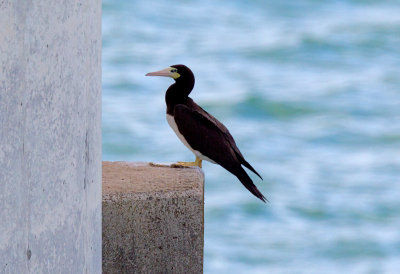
(50, 136)
(153, 219)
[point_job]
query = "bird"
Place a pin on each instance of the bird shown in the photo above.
(201, 132)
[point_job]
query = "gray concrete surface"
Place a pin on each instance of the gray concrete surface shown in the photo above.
(153, 219)
(50, 136)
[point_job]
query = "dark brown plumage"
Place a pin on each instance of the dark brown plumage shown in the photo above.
(205, 135)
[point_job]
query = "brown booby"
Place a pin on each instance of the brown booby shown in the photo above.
(201, 132)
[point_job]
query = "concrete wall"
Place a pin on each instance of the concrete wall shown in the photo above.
(153, 219)
(50, 136)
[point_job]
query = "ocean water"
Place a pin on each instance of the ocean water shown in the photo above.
(311, 92)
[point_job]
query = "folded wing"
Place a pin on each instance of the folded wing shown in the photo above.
(207, 135)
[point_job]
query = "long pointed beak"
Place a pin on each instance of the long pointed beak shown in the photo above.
(164, 72)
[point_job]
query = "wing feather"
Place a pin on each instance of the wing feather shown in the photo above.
(223, 132)
(204, 136)
(207, 135)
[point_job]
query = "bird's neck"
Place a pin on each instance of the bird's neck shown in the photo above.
(177, 93)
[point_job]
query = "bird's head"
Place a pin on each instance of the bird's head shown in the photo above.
(177, 72)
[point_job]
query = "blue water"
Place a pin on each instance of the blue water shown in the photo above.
(311, 92)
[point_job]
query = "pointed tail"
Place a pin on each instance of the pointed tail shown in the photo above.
(245, 163)
(248, 183)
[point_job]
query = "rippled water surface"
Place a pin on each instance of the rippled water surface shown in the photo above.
(311, 92)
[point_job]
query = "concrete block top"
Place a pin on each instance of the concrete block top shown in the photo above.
(136, 178)
(153, 218)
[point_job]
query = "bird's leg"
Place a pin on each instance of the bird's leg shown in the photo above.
(197, 162)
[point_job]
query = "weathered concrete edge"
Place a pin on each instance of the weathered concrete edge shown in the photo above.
(157, 194)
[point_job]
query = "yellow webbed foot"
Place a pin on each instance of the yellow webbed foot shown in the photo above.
(186, 163)
(195, 163)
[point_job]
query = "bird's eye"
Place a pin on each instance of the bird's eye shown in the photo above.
(174, 70)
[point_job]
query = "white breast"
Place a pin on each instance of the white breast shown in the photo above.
(172, 124)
